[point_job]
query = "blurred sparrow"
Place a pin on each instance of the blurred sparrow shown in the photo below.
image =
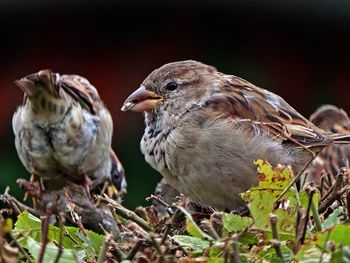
(333, 157)
(204, 129)
(63, 131)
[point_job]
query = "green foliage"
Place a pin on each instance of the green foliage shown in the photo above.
(51, 252)
(192, 228)
(234, 223)
(27, 231)
(338, 235)
(189, 242)
(225, 236)
(333, 218)
(272, 181)
(261, 198)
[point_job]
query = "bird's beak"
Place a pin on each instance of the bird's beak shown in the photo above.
(142, 100)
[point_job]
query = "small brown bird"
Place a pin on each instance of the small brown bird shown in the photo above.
(333, 157)
(204, 129)
(63, 132)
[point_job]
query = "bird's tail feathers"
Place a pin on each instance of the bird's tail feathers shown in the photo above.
(341, 138)
(34, 83)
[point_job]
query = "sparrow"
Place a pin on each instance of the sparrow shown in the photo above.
(205, 128)
(334, 157)
(63, 132)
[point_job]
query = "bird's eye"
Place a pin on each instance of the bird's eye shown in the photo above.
(171, 86)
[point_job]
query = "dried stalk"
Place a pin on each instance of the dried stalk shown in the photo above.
(275, 235)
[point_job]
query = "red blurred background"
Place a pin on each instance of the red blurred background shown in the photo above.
(298, 49)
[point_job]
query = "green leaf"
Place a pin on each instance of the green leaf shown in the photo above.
(272, 181)
(193, 243)
(51, 252)
(216, 254)
(87, 245)
(192, 228)
(311, 254)
(234, 223)
(333, 218)
(269, 253)
(6, 226)
(341, 255)
(249, 238)
(29, 226)
(216, 260)
(339, 235)
(304, 199)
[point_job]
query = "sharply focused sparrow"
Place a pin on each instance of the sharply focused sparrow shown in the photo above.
(333, 157)
(63, 132)
(204, 129)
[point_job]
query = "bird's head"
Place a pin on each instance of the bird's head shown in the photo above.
(174, 87)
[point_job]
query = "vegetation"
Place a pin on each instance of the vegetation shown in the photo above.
(306, 226)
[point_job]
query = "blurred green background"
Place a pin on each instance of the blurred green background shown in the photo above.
(298, 49)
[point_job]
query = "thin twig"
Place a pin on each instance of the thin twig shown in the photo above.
(16, 205)
(169, 224)
(158, 199)
(314, 210)
(76, 257)
(348, 205)
(60, 248)
(126, 213)
(324, 185)
(118, 253)
(157, 246)
(326, 203)
(44, 236)
(116, 234)
(275, 235)
(302, 221)
(211, 231)
(24, 252)
(336, 186)
(324, 246)
(104, 187)
(103, 251)
(295, 179)
(297, 198)
(339, 180)
(236, 258)
(77, 220)
(134, 250)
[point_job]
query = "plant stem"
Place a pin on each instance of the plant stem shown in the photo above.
(275, 235)
(314, 210)
(126, 213)
(170, 223)
(44, 238)
(236, 258)
(60, 249)
(103, 251)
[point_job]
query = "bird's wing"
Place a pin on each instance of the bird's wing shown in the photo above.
(82, 91)
(244, 102)
(117, 173)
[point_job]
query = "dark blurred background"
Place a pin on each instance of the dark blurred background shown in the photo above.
(298, 49)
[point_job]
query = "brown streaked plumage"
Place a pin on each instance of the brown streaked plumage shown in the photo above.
(63, 131)
(204, 129)
(333, 157)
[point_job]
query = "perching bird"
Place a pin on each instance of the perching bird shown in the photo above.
(204, 129)
(333, 157)
(63, 131)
